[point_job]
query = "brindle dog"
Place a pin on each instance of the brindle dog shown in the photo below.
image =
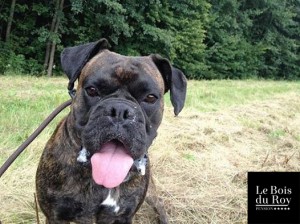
(95, 167)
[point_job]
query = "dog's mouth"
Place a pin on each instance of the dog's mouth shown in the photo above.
(111, 164)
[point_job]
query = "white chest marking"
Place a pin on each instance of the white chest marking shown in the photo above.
(111, 202)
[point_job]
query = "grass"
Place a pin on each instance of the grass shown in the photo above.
(214, 95)
(199, 159)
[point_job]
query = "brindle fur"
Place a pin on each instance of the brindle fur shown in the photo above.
(65, 188)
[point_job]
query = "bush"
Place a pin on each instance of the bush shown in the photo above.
(12, 63)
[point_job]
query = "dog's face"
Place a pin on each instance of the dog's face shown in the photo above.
(119, 99)
(118, 106)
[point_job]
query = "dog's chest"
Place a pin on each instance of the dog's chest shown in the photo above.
(111, 202)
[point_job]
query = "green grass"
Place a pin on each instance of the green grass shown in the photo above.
(276, 134)
(216, 95)
(25, 101)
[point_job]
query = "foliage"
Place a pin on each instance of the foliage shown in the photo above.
(253, 38)
(205, 38)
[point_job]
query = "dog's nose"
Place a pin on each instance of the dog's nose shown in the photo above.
(121, 112)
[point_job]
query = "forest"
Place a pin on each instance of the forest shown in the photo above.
(207, 39)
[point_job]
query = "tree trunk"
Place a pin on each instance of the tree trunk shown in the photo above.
(47, 55)
(10, 20)
(53, 43)
(51, 59)
(48, 45)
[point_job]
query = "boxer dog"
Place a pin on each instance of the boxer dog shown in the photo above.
(95, 168)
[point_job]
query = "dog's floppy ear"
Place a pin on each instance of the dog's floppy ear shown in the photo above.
(73, 59)
(175, 81)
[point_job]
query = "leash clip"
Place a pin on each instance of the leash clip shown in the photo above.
(72, 93)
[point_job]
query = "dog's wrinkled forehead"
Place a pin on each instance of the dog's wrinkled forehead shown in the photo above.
(124, 68)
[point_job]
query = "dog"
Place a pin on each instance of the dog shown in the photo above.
(95, 168)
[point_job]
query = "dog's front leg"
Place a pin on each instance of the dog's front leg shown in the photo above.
(154, 201)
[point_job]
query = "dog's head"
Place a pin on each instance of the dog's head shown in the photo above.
(118, 105)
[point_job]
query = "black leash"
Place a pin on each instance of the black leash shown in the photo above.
(21, 148)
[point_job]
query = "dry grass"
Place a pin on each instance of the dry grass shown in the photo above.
(201, 168)
(199, 160)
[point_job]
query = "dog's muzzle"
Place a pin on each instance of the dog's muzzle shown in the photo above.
(114, 142)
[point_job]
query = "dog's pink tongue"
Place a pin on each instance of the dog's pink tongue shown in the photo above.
(110, 165)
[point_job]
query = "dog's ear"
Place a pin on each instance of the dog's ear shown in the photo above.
(175, 81)
(73, 59)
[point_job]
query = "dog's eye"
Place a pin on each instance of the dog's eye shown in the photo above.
(92, 91)
(150, 99)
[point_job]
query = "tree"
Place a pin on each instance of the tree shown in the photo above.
(228, 54)
(276, 26)
(10, 20)
(205, 38)
(56, 21)
(48, 45)
(190, 17)
(253, 38)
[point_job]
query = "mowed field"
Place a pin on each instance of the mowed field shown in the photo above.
(200, 159)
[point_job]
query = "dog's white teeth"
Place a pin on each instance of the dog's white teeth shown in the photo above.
(82, 156)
